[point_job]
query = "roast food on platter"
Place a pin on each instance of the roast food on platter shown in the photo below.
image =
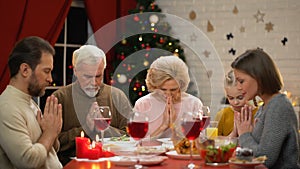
(260, 159)
(183, 147)
(245, 155)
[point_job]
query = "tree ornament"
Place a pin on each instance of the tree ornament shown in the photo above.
(122, 78)
(142, 8)
(154, 19)
(161, 40)
(137, 84)
(124, 41)
(146, 63)
(122, 57)
(136, 18)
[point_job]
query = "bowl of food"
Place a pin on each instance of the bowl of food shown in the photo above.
(217, 151)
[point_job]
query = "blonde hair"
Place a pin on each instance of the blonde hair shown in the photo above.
(229, 79)
(88, 54)
(167, 68)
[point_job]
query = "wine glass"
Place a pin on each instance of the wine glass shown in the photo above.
(102, 119)
(137, 128)
(192, 123)
(205, 113)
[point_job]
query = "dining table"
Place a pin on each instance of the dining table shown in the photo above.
(168, 163)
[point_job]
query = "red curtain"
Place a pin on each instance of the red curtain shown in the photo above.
(21, 18)
(100, 15)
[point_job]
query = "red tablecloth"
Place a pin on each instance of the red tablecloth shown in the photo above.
(168, 164)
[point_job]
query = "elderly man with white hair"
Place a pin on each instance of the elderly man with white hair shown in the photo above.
(167, 81)
(80, 98)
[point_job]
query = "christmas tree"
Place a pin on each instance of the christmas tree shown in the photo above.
(135, 53)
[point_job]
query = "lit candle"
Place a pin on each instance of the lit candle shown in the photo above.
(98, 145)
(93, 152)
(82, 145)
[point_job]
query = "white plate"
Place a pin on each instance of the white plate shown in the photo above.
(127, 161)
(174, 154)
(165, 140)
(246, 163)
(124, 145)
(167, 143)
(96, 160)
(132, 151)
(108, 141)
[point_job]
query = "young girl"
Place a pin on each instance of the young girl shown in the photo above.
(237, 101)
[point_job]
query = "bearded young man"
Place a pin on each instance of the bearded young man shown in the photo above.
(28, 139)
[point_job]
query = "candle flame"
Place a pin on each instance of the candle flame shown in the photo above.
(97, 138)
(93, 144)
(82, 134)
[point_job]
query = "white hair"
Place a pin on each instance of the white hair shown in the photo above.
(174, 67)
(88, 54)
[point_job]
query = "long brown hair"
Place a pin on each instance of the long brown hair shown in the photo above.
(259, 65)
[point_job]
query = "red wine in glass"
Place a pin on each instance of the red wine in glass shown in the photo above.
(102, 118)
(191, 129)
(102, 123)
(205, 122)
(137, 130)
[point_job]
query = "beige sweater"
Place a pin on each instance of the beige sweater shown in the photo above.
(19, 133)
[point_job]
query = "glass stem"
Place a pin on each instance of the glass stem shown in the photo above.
(102, 137)
(138, 152)
(191, 151)
(138, 165)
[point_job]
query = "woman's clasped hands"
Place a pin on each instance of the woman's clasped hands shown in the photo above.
(243, 120)
(169, 117)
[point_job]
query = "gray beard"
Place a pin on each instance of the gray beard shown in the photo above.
(91, 93)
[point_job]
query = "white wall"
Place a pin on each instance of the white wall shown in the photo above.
(283, 14)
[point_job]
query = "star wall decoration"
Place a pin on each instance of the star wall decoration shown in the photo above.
(259, 16)
(284, 41)
(206, 53)
(229, 36)
(269, 26)
(242, 29)
(232, 51)
(193, 37)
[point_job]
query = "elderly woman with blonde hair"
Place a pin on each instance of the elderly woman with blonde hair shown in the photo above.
(167, 81)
